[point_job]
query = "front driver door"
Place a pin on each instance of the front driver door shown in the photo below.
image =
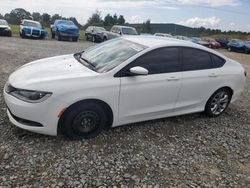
(154, 95)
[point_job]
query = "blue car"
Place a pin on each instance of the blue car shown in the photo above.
(65, 29)
(32, 29)
(238, 46)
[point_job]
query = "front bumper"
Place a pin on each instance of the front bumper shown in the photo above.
(35, 117)
(68, 34)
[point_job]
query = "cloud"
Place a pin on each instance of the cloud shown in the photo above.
(213, 3)
(135, 19)
(211, 22)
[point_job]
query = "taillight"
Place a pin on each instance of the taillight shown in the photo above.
(245, 73)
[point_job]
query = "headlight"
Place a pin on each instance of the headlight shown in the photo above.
(27, 95)
(7, 28)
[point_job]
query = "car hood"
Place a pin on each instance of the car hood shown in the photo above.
(37, 28)
(48, 70)
(64, 27)
(4, 26)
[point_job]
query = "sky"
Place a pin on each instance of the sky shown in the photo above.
(216, 14)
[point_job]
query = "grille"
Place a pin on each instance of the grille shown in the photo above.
(36, 32)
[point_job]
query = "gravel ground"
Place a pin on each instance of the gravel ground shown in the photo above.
(186, 151)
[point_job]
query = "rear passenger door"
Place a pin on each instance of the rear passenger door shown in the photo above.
(200, 79)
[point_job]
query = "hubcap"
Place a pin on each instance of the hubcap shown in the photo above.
(85, 122)
(219, 103)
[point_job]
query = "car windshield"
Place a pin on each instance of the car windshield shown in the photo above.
(110, 54)
(32, 24)
(99, 29)
(65, 22)
(129, 31)
(3, 22)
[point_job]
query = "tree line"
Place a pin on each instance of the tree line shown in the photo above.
(96, 19)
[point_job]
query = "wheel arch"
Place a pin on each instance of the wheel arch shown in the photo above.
(103, 104)
(224, 87)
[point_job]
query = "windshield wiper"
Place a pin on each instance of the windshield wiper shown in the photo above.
(89, 63)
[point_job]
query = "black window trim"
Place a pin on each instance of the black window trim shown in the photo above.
(119, 73)
(124, 69)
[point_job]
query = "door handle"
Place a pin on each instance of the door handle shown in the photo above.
(173, 78)
(212, 75)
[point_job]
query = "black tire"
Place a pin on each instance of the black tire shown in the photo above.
(52, 35)
(247, 51)
(211, 103)
(84, 120)
(87, 37)
(10, 34)
(93, 39)
(59, 37)
(75, 39)
(104, 38)
(23, 34)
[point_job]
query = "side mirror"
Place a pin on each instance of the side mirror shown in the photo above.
(120, 32)
(138, 71)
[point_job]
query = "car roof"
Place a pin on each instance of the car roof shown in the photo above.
(25, 20)
(154, 41)
(122, 26)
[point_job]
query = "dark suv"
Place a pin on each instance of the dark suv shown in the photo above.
(96, 34)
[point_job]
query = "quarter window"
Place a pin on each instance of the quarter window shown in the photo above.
(194, 59)
(164, 60)
(218, 61)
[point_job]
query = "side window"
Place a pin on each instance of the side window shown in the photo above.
(218, 61)
(163, 60)
(194, 59)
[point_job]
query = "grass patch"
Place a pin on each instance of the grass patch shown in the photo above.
(16, 28)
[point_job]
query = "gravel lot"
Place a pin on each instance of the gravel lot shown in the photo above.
(186, 151)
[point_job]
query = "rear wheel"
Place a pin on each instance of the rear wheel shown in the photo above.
(218, 102)
(83, 121)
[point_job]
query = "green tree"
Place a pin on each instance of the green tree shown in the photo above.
(55, 17)
(115, 19)
(146, 26)
(36, 16)
(46, 19)
(95, 19)
(121, 20)
(108, 20)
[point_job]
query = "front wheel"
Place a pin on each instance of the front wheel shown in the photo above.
(83, 121)
(75, 39)
(218, 102)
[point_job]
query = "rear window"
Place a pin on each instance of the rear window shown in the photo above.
(194, 59)
(218, 61)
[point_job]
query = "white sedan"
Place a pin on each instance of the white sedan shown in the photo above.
(121, 81)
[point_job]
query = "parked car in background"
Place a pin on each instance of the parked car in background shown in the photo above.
(125, 80)
(32, 29)
(65, 29)
(199, 41)
(5, 29)
(212, 43)
(223, 42)
(163, 35)
(182, 37)
(96, 34)
(238, 46)
(123, 30)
